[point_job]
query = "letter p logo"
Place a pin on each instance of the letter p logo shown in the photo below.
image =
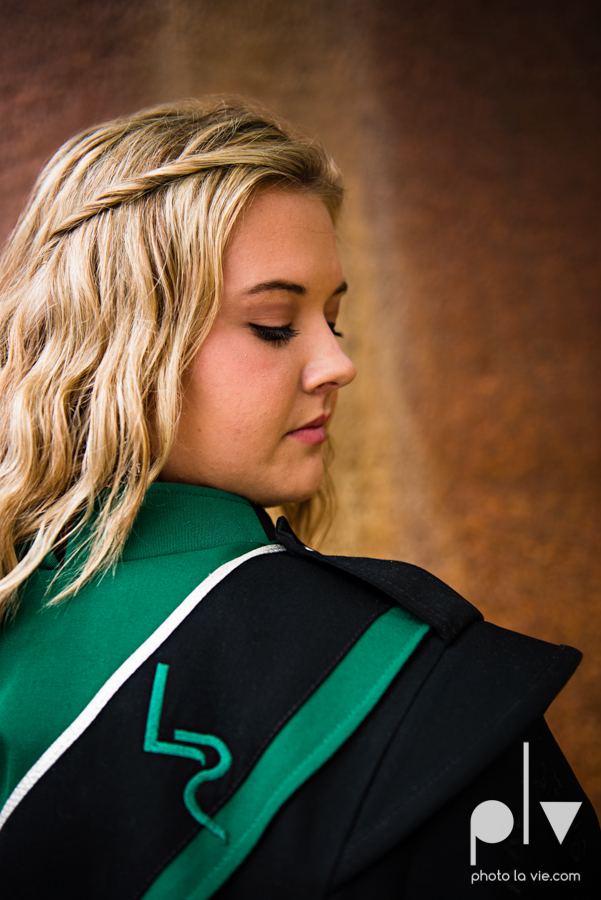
(492, 822)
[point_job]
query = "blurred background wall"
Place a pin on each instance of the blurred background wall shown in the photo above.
(469, 135)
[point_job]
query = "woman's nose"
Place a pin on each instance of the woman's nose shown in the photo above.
(329, 367)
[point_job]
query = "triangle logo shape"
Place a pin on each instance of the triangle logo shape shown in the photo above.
(560, 814)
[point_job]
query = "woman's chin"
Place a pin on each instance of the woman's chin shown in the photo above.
(269, 501)
(292, 491)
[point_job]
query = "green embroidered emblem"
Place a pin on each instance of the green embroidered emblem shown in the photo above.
(153, 745)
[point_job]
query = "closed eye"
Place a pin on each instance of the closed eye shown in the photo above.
(274, 334)
(333, 329)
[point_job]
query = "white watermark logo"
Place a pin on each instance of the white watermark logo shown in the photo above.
(492, 821)
(521, 876)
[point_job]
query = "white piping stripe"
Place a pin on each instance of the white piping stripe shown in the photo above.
(120, 676)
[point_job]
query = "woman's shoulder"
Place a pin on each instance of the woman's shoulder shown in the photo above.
(454, 622)
(467, 688)
(470, 694)
(412, 587)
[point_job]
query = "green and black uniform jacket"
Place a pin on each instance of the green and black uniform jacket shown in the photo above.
(232, 715)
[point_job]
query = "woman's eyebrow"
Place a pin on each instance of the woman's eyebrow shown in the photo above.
(290, 286)
(277, 286)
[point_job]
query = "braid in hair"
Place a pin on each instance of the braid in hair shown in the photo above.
(155, 179)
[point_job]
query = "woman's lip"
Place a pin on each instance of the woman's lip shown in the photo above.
(313, 432)
(309, 434)
(320, 420)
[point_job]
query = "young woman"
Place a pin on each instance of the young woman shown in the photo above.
(192, 704)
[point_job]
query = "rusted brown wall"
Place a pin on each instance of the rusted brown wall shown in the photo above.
(469, 134)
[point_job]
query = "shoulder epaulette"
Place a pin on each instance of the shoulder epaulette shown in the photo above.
(426, 596)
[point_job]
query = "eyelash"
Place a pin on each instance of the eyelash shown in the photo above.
(281, 334)
(277, 335)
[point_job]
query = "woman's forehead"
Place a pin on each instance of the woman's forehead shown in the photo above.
(284, 242)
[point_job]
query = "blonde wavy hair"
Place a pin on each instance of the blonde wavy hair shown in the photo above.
(109, 285)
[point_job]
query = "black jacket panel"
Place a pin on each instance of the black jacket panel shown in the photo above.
(433, 862)
(486, 689)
